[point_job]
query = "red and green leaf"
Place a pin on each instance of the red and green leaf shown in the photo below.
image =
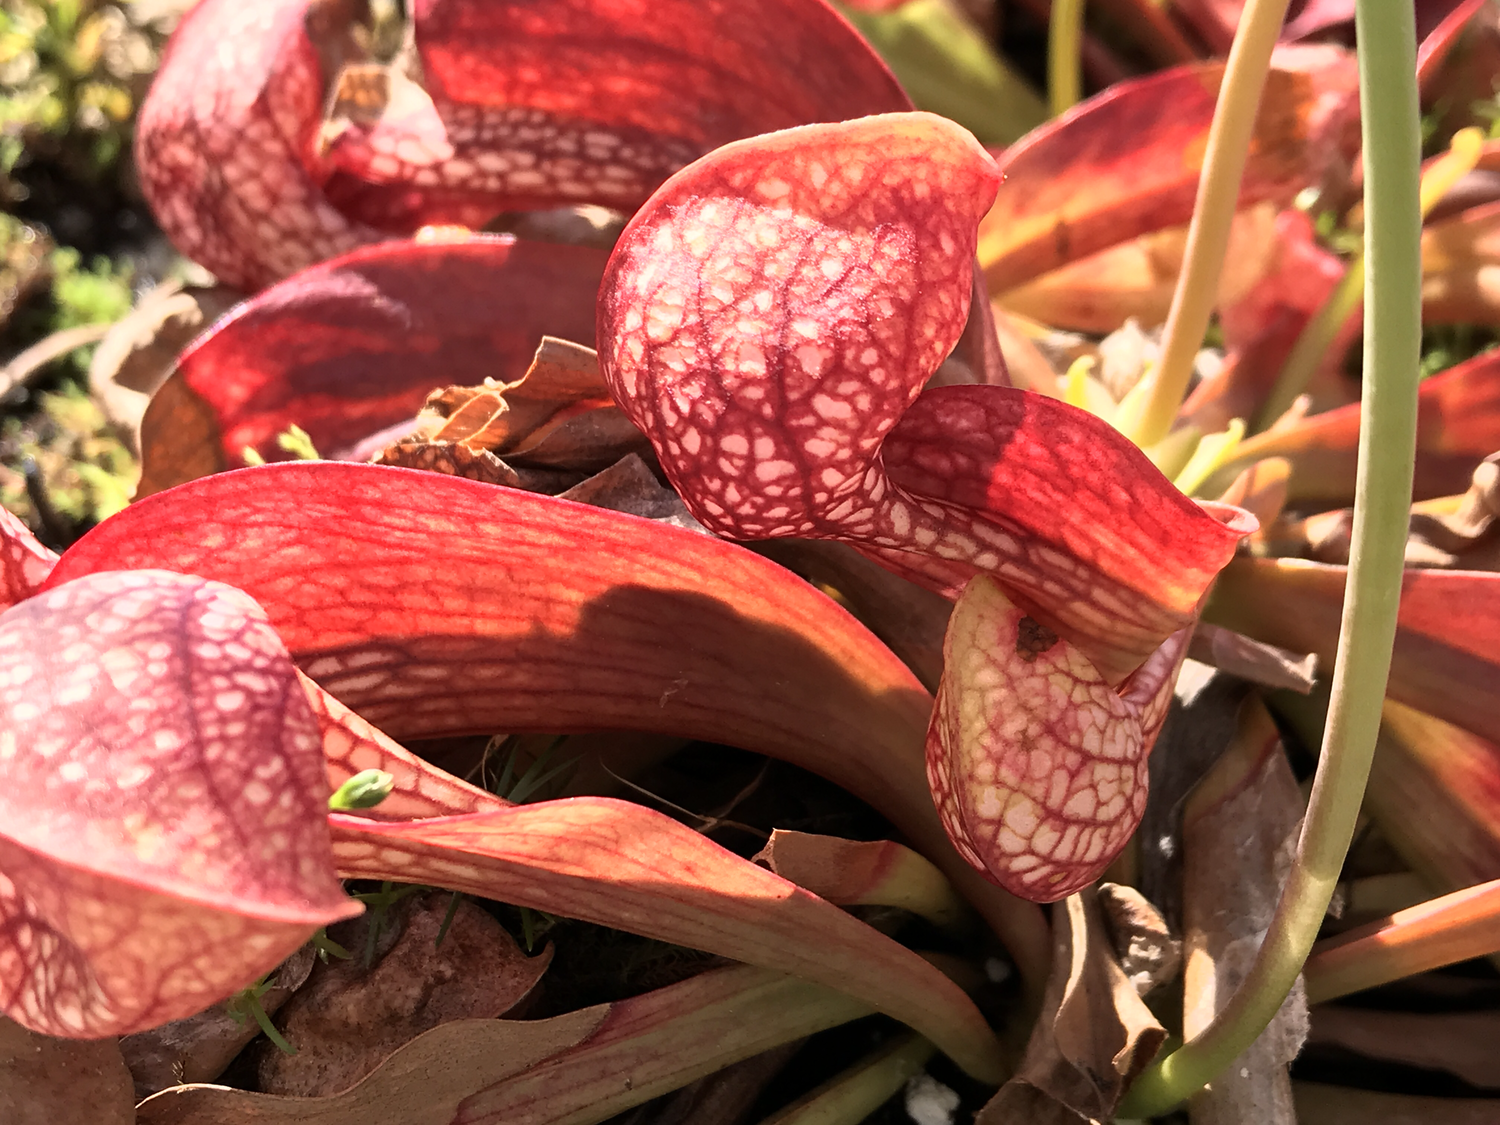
(1458, 425)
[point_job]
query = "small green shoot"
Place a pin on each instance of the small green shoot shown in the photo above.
(447, 919)
(327, 947)
(364, 790)
(380, 903)
(245, 1004)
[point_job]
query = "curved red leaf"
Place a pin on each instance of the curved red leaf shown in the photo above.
(24, 562)
(618, 864)
(1127, 161)
(599, 102)
(433, 606)
(1066, 512)
(769, 320)
(163, 838)
(351, 346)
(531, 104)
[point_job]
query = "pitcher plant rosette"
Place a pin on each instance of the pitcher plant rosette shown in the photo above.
(895, 546)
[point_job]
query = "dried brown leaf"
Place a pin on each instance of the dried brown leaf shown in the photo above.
(137, 353)
(198, 1048)
(454, 460)
(47, 1081)
(421, 1084)
(630, 486)
(1455, 533)
(179, 439)
(556, 419)
(1253, 660)
(584, 439)
(347, 1020)
(1239, 833)
(1148, 953)
(1094, 1036)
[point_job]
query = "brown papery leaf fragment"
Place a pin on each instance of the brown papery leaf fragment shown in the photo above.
(1253, 660)
(499, 416)
(421, 1084)
(198, 1048)
(179, 439)
(136, 355)
(1148, 953)
(47, 1081)
(1453, 533)
(1094, 1036)
(452, 460)
(1239, 829)
(349, 1019)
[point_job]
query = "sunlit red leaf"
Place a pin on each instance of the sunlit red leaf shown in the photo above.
(1445, 659)
(770, 319)
(1037, 764)
(1263, 325)
(162, 831)
(618, 864)
(1458, 425)
(354, 345)
(1456, 61)
(526, 105)
(24, 562)
(1447, 930)
(438, 606)
(1126, 162)
(1135, 278)
(562, 102)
